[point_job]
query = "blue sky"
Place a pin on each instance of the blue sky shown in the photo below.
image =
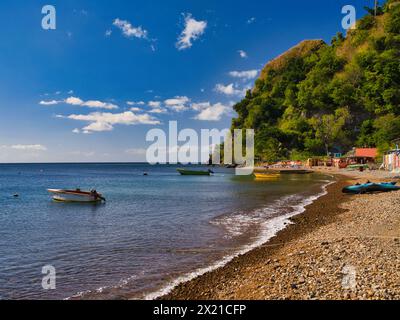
(112, 70)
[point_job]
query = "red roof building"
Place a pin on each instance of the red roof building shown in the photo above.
(360, 156)
(366, 153)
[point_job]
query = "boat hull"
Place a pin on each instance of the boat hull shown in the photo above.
(371, 187)
(80, 199)
(184, 172)
(74, 196)
(267, 176)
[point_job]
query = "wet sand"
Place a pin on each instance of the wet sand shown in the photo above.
(341, 247)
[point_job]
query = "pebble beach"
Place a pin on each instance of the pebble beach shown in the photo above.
(343, 247)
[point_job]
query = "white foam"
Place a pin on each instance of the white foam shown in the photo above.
(122, 283)
(269, 229)
(240, 222)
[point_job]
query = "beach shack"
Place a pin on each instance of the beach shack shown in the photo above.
(361, 156)
(315, 162)
(391, 159)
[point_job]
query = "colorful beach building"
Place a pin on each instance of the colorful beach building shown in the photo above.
(391, 160)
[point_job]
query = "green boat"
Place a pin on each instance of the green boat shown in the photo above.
(185, 172)
(358, 166)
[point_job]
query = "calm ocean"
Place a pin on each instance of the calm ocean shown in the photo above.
(153, 232)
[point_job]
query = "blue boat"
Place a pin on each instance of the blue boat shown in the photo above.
(371, 187)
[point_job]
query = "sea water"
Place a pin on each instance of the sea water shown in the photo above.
(152, 233)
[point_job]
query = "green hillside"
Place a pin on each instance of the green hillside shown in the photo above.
(320, 97)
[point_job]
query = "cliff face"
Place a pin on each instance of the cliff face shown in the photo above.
(318, 97)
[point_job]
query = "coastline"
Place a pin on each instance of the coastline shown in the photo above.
(332, 250)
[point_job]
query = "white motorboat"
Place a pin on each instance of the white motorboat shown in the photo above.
(76, 196)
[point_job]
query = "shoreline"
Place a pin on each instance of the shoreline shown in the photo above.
(275, 225)
(295, 263)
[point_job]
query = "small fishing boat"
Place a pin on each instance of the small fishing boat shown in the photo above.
(185, 172)
(77, 195)
(358, 166)
(266, 175)
(371, 187)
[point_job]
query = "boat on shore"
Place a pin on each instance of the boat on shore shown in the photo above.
(60, 195)
(186, 172)
(370, 187)
(357, 166)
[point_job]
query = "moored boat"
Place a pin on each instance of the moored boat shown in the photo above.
(77, 195)
(186, 172)
(266, 175)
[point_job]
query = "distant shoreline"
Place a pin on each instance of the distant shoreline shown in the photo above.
(45, 163)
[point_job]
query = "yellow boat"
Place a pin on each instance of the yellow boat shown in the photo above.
(266, 175)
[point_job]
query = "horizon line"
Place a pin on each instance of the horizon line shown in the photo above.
(100, 162)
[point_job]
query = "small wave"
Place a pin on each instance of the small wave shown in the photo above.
(122, 283)
(269, 229)
(239, 223)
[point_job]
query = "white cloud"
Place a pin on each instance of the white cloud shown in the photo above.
(192, 31)
(158, 110)
(86, 154)
(136, 151)
(74, 101)
(135, 109)
(229, 90)
(108, 33)
(251, 20)
(76, 130)
(100, 105)
(71, 92)
(49, 103)
(243, 54)
(25, 147)
(200, 106)
(129, 30)
(135, 103)
(99, 122)
(246, 75)
(97, 127)
(212, 112)
(178, 108)
(154, 104)
(79, 102)
(177, 103)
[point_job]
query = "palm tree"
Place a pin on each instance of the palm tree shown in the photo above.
(376, 10)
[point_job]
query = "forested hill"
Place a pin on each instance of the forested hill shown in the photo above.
(320, 97)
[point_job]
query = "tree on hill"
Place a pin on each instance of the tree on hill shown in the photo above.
(297, 105)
